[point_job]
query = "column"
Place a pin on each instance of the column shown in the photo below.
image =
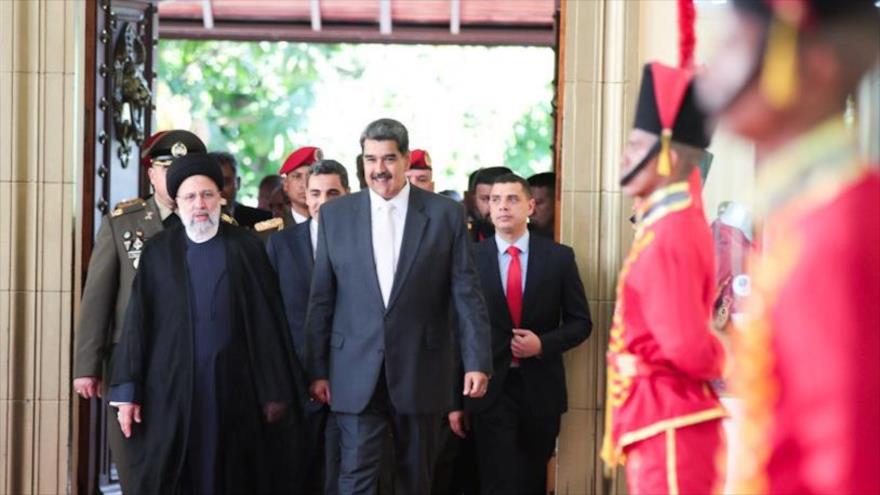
(40, 114)
(600, 73)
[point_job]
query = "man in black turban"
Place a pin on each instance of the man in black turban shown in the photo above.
(206, 383)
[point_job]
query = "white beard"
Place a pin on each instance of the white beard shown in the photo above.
(200, 232)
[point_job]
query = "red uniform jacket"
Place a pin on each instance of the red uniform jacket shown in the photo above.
(809, 356)
(661, 353)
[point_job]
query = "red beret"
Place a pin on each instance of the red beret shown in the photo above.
(306, 155)
(420, 159)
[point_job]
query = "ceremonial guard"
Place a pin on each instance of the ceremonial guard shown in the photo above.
(663, 419)
(808, 367)
(420, 173)
(112, 268)
(294, 174)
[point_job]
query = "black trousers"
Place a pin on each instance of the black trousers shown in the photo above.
(514, 445)
(362, 437)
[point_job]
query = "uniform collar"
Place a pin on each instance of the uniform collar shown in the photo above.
(668, 199)
(164, 211)
(821, 159)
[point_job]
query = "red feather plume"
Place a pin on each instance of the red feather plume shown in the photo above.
(687, 39)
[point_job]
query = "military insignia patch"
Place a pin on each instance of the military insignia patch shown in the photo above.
(134, 246)
(178, 149)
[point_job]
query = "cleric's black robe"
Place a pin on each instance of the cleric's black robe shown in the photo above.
(258, 366)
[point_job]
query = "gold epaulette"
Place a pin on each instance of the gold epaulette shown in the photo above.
(228, 219)
(128, 205)
(272, 223)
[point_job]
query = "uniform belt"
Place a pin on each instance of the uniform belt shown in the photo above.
(630, 365)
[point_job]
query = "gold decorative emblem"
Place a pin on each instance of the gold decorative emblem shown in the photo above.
(273, 223)
(178, 149)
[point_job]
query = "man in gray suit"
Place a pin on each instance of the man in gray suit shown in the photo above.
(380, 349)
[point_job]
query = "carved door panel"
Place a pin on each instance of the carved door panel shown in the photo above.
(121, 36)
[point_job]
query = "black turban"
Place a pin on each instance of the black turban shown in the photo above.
(193, 164)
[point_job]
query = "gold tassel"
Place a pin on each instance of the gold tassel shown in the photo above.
(664, 167)
(779, 74)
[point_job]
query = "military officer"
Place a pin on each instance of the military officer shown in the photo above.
(420, 173)
(295, 174)
(114, 261)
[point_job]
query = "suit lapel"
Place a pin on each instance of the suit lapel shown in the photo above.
(534, 275)
(414, 227)
(488, 259)
(364, 234)
(305, 246)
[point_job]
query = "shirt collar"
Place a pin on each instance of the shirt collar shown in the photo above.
(400, 201)
(297, 217)
(522, 243)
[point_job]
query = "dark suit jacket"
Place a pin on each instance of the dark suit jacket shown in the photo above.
(246, 216)
(554, 307)
(290, 252)
(350, 334)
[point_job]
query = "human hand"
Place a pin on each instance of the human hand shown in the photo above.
(127, 414)
(475, 384)
(87, 386)
(320, 391)
(525, 344)
(459, 423)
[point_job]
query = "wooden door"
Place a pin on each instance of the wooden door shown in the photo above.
(121, 36)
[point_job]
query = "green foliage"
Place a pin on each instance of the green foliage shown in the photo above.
(529, 150)
(250, 98)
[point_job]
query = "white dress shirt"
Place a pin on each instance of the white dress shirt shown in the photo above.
(381, 244)
(313, 233)
(504, 258)
(297, 217)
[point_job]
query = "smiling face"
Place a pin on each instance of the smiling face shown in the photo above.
(510, 207)
(198, 201)
(385, 167)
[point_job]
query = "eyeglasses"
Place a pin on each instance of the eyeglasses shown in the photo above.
(206, 195)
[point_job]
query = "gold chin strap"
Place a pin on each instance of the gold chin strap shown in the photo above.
(161, 163)
(664, 167)
(779, 74)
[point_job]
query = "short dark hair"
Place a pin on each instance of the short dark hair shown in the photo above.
(387, 130)
(271, 182)
(487, 176)
(543, 179)
(225, 158)
(359, 162)
(512, 178)
(330, 167)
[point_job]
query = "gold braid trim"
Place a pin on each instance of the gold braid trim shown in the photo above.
(618, 387)
(756, 380)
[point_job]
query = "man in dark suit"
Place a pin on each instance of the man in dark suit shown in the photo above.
(244, 215)
(292, 253)
(390, 262)
(538, 311)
